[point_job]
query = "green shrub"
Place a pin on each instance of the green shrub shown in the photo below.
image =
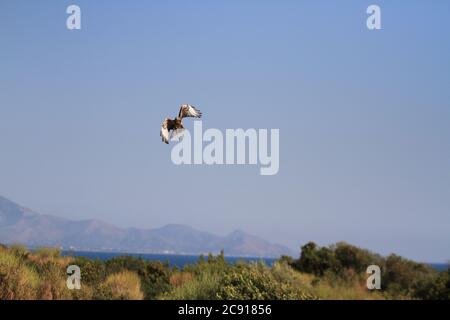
(93, 271)
(404, 277)
(317, 260)
(255, 282)
(213, 264)
(343, 265)
(435, 289)
(357, 259)
(155, 278)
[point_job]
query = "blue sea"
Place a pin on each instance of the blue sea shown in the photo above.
(172, 259)
(181, 260)
(440, 266)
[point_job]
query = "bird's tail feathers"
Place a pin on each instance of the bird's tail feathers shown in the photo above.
(177, 134)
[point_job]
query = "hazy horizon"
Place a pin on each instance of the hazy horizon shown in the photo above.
(363, 117)
(295, 251)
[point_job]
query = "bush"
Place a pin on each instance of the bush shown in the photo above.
(354, 258)
(155, 278)
(405, 277)
(345, 265)
(93, 272)
(154, 275)
(53, 278)
(19, 251)
(124, 285)
(48, 253)
(203, 286)
(255, 282)
(17, 281)
(213, 264)
(334, 272)
(317, 260)
(435, 289)
(283, 272)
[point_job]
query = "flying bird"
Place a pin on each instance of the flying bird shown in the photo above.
(172, 128)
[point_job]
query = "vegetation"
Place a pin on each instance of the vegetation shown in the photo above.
(124, 285)
(344, 264)
(334, 272)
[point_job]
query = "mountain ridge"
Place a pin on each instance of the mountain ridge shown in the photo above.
(19, 224)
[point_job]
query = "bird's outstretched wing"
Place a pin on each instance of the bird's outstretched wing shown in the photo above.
(186, 110)
(164, 132)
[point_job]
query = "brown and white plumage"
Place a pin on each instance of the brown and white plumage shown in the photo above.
(174, 128)
(186, 111)
(165, 130)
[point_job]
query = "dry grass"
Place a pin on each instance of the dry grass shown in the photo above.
(326, 288)
(42, 275)
(353, 291)
(124, 285)
(201, 287)
(178, 279)
(17, 281)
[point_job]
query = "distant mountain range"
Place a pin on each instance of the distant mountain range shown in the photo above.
(21, 225)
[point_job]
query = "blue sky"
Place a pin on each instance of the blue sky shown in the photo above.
(363, 116)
